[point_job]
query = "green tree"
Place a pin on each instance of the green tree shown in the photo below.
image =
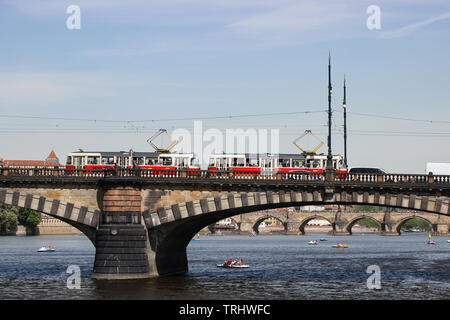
(366, 208)
(369, 223)
(417, 223)
(29, 218)
(8, 220)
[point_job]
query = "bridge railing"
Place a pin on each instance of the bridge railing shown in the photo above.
(395, 178)
(223, 175)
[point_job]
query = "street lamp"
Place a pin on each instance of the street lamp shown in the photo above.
(344, 105)
(329, 156)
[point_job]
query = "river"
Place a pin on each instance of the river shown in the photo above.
(281, 267)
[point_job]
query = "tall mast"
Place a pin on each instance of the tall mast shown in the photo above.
(329, 156)
(344, 105)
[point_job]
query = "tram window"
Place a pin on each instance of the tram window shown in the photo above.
(194, 162)
(93, 160)
(69, 160)
(238, 162)
(253, 163)
(285, 163)
(316, 164)
(298, 163)
(212, 162)
(151, 161)
(138, 160)
(166, 161)
(108, 160)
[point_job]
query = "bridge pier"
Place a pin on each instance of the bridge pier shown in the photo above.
(121, 242)
(121, 252)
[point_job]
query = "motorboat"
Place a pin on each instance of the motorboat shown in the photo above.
(323, 239)
(46, 249)
(431, 242)
(224, 265)
(230, 263)
(340, 245)
(448, 241)
(312, 242)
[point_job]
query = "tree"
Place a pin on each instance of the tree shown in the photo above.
(8, 220)
(366, 208)
(417, 223)
(369, 223)
(29, 218)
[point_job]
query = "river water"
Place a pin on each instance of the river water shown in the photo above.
(281, 267)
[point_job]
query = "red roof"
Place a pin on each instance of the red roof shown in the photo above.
(33, 163)
(52, 155)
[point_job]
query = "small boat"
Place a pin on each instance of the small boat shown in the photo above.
(196, 238)
(448, 241)
(46, 249)
(340, 245)
(312, 242)
(323, 239)
(431, 242)
(224, 265)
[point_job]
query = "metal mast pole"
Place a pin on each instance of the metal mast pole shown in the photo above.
(329, 156)
(344, 105)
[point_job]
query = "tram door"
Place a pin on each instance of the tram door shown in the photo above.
(221, 163)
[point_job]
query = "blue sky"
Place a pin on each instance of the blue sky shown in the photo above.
(138, 60)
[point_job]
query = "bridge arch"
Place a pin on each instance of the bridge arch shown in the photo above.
(305, 221)
(170, 228)
(401, 222)
(354, 220)
(258, 221)
(83, 218)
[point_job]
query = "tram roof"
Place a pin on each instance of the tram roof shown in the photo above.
(268, 155)
(116, 153)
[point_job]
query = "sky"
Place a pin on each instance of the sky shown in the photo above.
(134, 67)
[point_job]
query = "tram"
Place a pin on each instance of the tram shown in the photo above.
(284, 163)
(131, 159)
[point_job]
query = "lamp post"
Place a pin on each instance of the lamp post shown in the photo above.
(344, 105)
(329, 156)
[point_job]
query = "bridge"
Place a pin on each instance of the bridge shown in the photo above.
(141, 221)
(295, 222)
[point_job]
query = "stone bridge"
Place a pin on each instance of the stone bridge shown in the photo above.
(141, 222)
(294, 222)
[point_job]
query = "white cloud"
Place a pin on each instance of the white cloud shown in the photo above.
(404, 31)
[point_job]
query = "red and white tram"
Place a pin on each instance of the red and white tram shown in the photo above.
(284, 163)
(131, 159)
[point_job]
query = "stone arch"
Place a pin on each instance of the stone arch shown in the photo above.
(212, 228)
(305, 221)
(354, 220)
(170, 228)
(402, 221)
(83, 218)
(258, 221)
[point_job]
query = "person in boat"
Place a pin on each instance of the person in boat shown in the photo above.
(229, 262)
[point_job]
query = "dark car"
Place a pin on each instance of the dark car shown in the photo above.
(366, 170)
